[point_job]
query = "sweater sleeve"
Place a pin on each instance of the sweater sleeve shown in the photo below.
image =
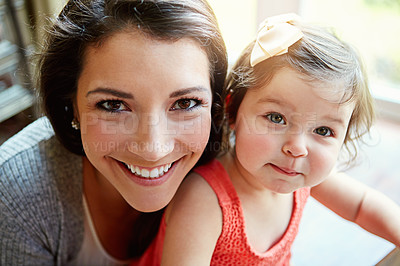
(38, 226)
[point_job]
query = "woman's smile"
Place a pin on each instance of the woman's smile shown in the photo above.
(149, 176)
(149, 172)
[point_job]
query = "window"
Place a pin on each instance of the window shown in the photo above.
(237, 20)
(372, 26)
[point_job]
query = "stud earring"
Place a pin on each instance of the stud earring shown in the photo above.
(75, 124)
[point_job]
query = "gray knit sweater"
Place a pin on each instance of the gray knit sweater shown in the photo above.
(41, 214)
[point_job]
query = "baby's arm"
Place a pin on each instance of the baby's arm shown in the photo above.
(358, 203)
(194, 223)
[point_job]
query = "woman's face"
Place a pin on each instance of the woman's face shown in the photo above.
(144, 108)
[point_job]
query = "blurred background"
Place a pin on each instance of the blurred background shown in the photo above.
(372, 26)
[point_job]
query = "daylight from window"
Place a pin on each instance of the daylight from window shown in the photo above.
(373, 27)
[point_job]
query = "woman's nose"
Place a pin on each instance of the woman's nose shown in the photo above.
(153, 140)
(295, 145)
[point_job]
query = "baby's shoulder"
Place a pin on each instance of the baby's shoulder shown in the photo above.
(195, 186)
(195, 198)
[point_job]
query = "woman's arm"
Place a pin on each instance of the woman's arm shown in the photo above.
(194, 223)
(356, 202)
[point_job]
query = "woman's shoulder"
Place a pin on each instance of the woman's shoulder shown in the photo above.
(35, 167)
(40, 190)
(36, 143)
(28, 138)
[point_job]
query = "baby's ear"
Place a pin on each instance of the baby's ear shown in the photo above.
(234, 122)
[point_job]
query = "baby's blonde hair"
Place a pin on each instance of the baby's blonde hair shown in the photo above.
(320, 56)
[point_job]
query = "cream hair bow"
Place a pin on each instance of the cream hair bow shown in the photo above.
(274, 37)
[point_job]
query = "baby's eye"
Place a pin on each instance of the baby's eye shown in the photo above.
(323, 131)
(113, 106)
(276, 118)
(185, 104)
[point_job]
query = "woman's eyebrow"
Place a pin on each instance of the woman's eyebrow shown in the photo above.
(187, 91)
(114, 92)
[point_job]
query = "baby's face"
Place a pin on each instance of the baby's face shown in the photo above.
(289, 133)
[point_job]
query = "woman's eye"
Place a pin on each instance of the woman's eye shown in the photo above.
(323, 131)
(276, 118)
(185, 104)
(112, 106)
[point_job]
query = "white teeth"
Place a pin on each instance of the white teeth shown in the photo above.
(166, 167)
(154, 173)
(131, 168)
(146, 173)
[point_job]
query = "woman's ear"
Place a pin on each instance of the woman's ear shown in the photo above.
(75, 110)
(75, 123)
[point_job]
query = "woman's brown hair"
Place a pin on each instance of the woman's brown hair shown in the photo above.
(89, 22)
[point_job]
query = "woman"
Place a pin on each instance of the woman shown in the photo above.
(130, 89)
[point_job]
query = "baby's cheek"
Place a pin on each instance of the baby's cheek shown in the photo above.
(250, 149)
(322, 165)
